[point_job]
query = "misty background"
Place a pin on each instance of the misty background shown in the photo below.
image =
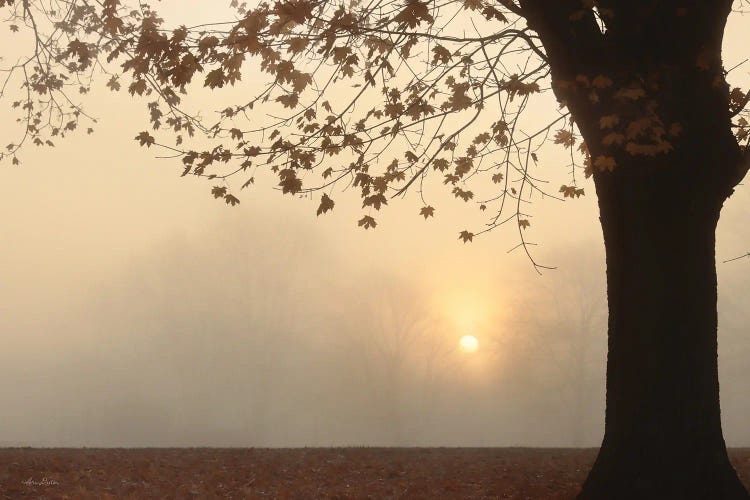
(268, 329)
(136, 310)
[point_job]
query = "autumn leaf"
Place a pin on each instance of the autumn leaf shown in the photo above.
(648, 149)
(113, 83)
(288, 100)
(326, 204)
(289, 181)
(473, 4)
(638, 127)
(466, 236)
(490, 12)
(464, 195)
(516, 86)
(414, 13)
(441, 164)
(375, 201)
(442, 55)
(631, 93)
(571, 191)
(427, 211)
(523, 223)
(613, 138)
(464, 164)
(565, 137)
(737, 98)
(608, 121)
(214, 78)
(482, 138)
(139, 87)
(145, 139)
(219, 191)
(367, 222)
(297, 44)
(458, 99)
(208, 43)
(564, 84)
(605, 163)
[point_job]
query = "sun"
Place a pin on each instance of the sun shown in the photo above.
(469, 343)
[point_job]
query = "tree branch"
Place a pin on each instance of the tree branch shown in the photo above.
(508, 4)
(741, 105)
(569, 33)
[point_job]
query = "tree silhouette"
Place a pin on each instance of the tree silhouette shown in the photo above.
(401, 351)
(385, 95)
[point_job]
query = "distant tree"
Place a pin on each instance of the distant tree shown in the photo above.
(222, 346)
(378, 95)
(399, 349)
(563, 318)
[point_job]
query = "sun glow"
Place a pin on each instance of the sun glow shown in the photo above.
(469, 343)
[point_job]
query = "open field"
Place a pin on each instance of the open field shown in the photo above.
(308, 473)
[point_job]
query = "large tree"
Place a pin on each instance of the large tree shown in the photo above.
(380, 94)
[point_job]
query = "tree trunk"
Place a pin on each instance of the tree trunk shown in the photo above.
(658, 208)
(663, 436)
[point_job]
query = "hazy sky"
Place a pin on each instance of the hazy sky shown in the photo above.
(137, 310)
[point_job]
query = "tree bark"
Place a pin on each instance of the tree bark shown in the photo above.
(663, 436)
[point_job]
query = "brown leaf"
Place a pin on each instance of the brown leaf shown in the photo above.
(427, 211)
(367, 222)
(326, 204)
(414, 13)
(145, 139)
(466, 236)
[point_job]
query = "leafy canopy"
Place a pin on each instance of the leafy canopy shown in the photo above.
(371, 95)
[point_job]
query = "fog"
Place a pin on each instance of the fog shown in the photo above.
(137, 311)
(263, 334)
(251, 336)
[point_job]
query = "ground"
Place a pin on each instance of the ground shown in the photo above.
(306, 473)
